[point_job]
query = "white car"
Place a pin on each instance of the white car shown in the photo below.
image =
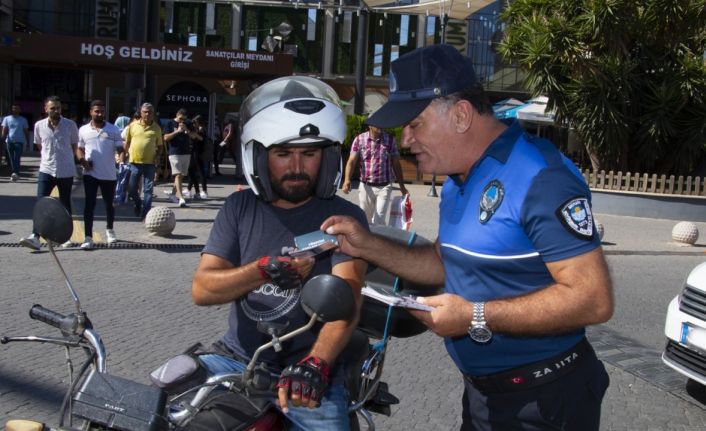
(685, 328)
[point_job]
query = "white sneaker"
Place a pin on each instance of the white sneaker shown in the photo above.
(203, 195)
(31, 242)
(182, 203)
(14, 177)
(87, 243)
(110, 236)
(173, 199)
(67, 244)
(186, 193)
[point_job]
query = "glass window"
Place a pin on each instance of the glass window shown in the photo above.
(66, 17)
(378, 59)
(311, 25)
(346, 27)
(485, 32)
(344, 52)
(404, 30)
(262, 22)
(389, 38)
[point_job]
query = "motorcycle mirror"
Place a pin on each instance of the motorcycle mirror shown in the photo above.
(329, 296)
(52, 221)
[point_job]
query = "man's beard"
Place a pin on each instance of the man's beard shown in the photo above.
(54, 116)
(294, 194)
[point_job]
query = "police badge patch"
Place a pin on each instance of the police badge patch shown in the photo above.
(490, 200)
(575, 215)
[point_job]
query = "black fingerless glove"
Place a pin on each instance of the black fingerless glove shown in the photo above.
(279, 269)
(309, 379)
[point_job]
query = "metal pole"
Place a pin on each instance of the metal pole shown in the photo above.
(444, 19)
(361, 63)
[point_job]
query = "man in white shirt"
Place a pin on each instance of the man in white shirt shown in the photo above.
(56, 137)
(97, 143)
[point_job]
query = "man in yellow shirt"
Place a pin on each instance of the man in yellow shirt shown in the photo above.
(142, 140)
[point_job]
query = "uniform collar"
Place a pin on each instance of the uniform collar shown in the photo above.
(502, 146)
(499, 149)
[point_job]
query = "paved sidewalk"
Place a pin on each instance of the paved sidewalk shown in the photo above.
(635, 401)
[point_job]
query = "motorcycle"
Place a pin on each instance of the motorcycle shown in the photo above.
(182, 396)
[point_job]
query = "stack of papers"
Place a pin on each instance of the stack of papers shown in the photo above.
(396, 300)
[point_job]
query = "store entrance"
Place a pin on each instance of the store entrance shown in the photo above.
(121, 101)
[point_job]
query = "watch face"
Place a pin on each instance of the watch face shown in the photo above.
(480, 334)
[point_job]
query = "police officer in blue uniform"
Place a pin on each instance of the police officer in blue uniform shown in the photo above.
(522, 265)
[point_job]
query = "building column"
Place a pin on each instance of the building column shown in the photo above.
(235, 26)
(329, 32)
(421, 30)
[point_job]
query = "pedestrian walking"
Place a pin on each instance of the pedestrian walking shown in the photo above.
(198, 167)
(15, 134)
(142, 142)
(379, 167)
(98, 142)
(57, 138)
(178, 133)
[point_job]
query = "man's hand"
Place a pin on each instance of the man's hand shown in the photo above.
(350, 234)
(303, 383)
(451, 317)
(403, 190)
(286, 272)
(346, 187)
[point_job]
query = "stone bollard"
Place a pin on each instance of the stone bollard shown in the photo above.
(685, 233)
(599, 228)
(160, 221)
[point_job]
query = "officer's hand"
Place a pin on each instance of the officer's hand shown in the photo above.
(351, 236)
(451, 317)
(304, 383)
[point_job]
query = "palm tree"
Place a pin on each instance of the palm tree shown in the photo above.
(629, 76)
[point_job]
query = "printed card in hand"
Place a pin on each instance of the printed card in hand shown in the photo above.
(396, 300)
(312, 244)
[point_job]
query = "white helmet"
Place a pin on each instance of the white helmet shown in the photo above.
(294, 110)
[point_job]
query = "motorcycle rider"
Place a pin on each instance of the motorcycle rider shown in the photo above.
(292, 130)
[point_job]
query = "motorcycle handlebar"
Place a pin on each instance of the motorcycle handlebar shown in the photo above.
(37, 312)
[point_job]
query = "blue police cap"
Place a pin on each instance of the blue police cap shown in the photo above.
(417, 78)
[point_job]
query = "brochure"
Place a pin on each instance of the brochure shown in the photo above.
(396, 300)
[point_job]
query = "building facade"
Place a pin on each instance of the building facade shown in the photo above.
(207, 55)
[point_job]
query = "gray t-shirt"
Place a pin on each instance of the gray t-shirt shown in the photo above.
(246, 229)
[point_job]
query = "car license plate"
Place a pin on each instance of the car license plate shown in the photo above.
(693, 336)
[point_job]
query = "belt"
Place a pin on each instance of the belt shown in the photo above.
(534, 374)
(376, 184)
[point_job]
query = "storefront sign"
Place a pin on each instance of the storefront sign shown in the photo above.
(101, 53)
(457, 34)
(108, 19)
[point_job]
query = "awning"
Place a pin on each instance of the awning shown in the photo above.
(455, 9)
(536, 111)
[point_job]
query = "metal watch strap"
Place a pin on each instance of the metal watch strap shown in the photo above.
(478, 313)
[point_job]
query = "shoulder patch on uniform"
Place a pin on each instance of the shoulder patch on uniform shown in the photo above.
(490, 200)
(575, 215)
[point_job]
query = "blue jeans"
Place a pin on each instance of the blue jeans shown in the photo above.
(90, 186)
(46, 183)
(331, 415)
(146, 171)
(14, 153)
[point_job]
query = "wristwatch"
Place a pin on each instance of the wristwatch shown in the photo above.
(479, 331)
